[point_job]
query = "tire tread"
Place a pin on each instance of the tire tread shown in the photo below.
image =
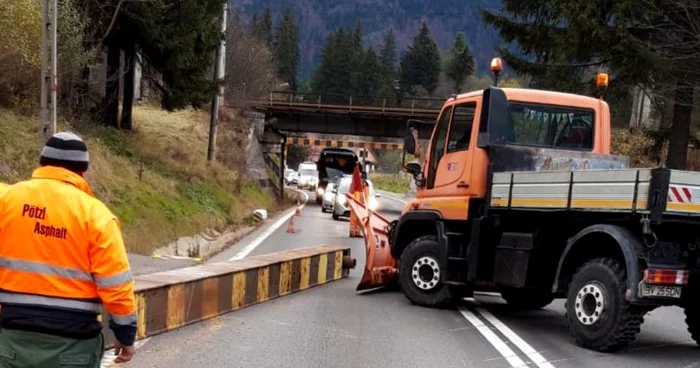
(632, 316)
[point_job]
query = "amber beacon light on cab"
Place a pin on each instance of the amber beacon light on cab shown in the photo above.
(518, 193)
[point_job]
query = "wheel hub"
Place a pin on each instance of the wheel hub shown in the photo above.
(426, 273)
(590, 303)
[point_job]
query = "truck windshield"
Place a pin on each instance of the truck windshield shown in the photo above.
(550, 126)
(308, 172)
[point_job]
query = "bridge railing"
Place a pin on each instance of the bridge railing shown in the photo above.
(359, 102)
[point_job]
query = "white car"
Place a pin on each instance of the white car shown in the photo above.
(290, 177)
(340, 204)
(328, 198)
(308, 179)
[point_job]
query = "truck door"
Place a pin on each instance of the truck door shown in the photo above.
(450, 161)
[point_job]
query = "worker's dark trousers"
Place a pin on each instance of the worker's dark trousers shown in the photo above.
(22, 349)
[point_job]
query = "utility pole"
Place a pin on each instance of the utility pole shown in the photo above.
(219, 74)
(49, 78)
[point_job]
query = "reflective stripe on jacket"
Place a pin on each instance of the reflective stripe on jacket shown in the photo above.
(62, 248)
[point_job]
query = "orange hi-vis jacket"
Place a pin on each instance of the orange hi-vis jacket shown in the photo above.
(62, 258)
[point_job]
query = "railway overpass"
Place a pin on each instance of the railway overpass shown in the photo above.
(368, 116)
(283, 115)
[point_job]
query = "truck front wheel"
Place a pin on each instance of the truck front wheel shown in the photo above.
(420, 273)
(598, 315)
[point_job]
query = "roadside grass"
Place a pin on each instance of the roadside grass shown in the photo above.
(155, 178)
(395, 183)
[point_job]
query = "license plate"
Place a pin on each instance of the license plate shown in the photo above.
(646, 290)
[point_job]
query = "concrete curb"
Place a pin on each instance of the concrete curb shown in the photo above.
(173, 299)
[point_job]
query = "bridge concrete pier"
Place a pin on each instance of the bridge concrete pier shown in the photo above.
(265, 154)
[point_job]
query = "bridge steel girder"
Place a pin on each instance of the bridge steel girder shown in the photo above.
(347, 122)
(335, 143)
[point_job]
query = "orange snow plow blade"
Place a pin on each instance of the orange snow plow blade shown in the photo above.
(380, 266)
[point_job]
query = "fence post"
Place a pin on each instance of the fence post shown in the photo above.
(413, 105)
(319, 100)
(350, 103)
(383, 104)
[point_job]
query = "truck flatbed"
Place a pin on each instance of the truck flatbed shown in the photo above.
(646, 191)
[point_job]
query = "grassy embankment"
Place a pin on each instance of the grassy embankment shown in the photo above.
(635, 145)
(395, 183)
(155, 178)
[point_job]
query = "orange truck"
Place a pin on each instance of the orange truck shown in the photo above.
(518, 193)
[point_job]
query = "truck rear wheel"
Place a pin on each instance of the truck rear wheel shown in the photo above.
(598, 315)
(692, 310)
(420, 273)
(526, 299)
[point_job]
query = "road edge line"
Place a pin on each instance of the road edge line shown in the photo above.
(518, 341)
(392, 197)
(500, 346)
(261, 238)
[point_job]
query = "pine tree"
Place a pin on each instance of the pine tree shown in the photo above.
(370, 77)
(356, 59)
(387, 61)
(332, 77)
(420, 65)
(265, 28)
(461, 63)
(388, 56)
(286, 48)
(179, 43)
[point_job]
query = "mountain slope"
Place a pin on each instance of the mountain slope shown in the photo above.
(316, 18)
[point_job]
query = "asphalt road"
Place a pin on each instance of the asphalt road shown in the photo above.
(332, 326)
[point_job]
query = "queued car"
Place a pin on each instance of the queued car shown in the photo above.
(340, 203)
(333, 163)
(291, 177)
(329, 197)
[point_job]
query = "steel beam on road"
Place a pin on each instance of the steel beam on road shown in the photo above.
(170, 300)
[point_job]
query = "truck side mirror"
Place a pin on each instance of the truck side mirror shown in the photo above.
(413, 168)
(409, 143)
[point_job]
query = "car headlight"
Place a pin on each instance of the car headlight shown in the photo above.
(320, 191)
(342, 199)
(373, 204)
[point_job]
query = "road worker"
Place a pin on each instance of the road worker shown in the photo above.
(62, 258)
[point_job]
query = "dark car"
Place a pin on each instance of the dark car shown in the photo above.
(332, 164)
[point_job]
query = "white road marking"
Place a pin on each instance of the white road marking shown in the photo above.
(394, 198)
(108, 358)
(512, 358)
(533, 355)
(257, 241)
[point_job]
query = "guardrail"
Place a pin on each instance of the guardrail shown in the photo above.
(346, 102)
(170, 300)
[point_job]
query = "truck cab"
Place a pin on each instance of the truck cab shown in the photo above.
(532, 127)
(518, 193)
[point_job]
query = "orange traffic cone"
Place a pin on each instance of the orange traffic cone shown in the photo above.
(298, 211)
(290, 228)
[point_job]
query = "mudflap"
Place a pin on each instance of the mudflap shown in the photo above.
(380, 267)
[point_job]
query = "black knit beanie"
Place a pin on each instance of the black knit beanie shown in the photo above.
(65, 150)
